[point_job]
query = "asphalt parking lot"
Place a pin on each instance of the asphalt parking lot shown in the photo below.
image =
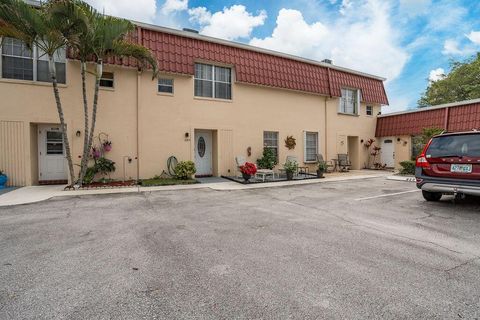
(340, 250)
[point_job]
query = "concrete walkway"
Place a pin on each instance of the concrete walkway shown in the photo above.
(34, 194)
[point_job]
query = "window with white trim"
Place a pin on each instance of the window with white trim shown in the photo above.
(310, 146)
(165, 85)
(21, 63)
(213, 81)
(270, 140)
(107, 80)
(349, 101)
(369, 111)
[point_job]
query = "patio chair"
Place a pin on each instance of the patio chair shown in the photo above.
(343, 162)
(240, 161)
(328, 163)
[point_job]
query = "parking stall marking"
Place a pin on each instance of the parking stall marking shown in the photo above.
(387, 195)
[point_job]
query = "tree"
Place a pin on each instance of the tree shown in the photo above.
(38, 27)
(462, 83)
(106, 37)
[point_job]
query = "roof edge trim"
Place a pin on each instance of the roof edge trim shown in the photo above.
(439, 106)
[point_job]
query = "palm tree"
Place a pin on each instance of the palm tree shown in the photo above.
(38, 27)
(105, 37)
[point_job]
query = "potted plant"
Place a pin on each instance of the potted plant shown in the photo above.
(321, 168)
(3, 179)
(248, 170)
(290, 168)
(107, 145)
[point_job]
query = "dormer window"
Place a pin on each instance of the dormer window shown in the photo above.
(349, 101)
(213, 81)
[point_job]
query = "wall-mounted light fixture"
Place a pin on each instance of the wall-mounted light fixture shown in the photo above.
(187, 134)
(78, 133)
(361, 141)
(398, 139)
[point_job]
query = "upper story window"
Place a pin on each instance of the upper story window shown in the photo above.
(107, 80)
(165, 85)
(213, 81)
(369, 111)
(349, 102)
(19, 62)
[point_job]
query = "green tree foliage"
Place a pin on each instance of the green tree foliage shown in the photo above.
(462, 83)
(268, 159)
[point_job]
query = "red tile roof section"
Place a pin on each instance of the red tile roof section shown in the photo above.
(178, 54)
(453, 119)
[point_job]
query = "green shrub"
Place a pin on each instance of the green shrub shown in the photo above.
(408, 167)
(89, 175)
(268, 159)
(104, 166)
(185, 170)
(290, 166)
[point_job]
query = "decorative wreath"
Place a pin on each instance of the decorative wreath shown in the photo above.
(290, 142)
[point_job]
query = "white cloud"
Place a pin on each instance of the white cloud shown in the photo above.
(230, 23)
(451, 47)
(200, 15)
(436, 74)
(139, 10)
(345, 6)
(363, 39)
(174, 5)
(474, 36)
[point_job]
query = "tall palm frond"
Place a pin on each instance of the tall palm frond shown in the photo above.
(144, 56)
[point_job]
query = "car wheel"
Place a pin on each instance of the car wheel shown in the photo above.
(431, 196)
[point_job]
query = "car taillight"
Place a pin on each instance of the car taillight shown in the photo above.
(422, 161)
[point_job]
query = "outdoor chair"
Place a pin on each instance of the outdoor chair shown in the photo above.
(343, 162)
(328, 164)
(240, 161)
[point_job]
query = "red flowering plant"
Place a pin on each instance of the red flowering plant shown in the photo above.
(248, 168)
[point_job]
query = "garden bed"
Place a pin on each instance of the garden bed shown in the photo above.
(252, 180)
(166, 182)
(109, 184)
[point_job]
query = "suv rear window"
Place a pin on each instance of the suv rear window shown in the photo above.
(455, 145)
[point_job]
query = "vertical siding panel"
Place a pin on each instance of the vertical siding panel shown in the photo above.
(226, 156)
(12, 157)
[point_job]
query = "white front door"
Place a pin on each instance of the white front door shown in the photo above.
(203, 152)
(52, 164)
(388, 152)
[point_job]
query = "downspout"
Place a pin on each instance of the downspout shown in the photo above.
(326, 122)
(447, 118)
(139, 40)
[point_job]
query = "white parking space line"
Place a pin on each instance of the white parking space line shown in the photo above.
(387, 195)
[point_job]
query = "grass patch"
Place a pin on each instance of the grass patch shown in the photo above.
(166, 182)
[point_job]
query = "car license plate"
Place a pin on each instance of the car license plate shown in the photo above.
(461, 168)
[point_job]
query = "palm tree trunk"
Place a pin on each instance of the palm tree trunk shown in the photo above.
(95, 101)
(84, 163)
(63, 127)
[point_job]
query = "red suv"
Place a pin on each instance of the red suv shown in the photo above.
(450, 164)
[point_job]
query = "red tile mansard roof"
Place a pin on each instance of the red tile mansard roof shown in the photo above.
(177, 51)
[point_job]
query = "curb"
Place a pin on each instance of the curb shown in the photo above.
(400, 178)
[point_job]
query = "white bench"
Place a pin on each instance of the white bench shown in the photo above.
(263, 173)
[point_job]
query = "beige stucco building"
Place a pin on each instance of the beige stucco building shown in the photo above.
(209, 105)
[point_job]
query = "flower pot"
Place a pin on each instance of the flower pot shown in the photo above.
(246, 176)
(289, 175)
(320, 174)
(3, 181)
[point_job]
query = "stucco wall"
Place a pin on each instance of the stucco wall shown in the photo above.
(163, 121)
(403, 150)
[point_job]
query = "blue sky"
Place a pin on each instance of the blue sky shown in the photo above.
(410, 42)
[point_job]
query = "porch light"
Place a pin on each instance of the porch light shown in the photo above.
(78, 133)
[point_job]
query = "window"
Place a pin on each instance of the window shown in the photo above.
(213, 82)
(165, 85)
(369, 111)
(311, 146)
(270, 140)
(19, 62)
(349, 101)
(54, 142)
(106, 80)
